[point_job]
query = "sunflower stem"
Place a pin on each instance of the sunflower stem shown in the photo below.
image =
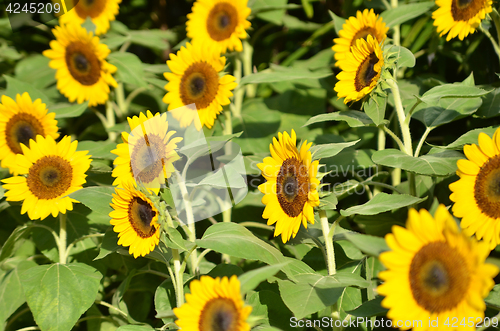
(247, 67)
(381, 139)
(496, 19)
(493, 41)
(397, 33)
(120, 100)
(239, 92)
(422, 140)
(330, 254)
(179, 281)
(61, 244)
(110, 120)
(405, 125)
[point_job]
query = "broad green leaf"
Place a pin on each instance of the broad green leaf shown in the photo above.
(15, 86)
(109, 244)
(432, 96)
(405, 12)
(447, 110)
(329, 202)
(11, 291)
(152, 38)
(165, 298)
(293, 23)
(380, 203)
(470, 137)
(375, 107)
(269, 10)
(226, 176)
(270, 307)
(115, 41)
(404, 57)
(98, 149)
(439, 164)
(132, 327)
(283, 74)
(251, 279)
(8, 246)
(337, 21)
(130, 68)
(313, 292)
(491, 104)
(174, 239)
(368, 244)
(369, 308)
(353, 118)
(493, 299)
(329, 150)
(59, 294)
(36, 71)
(64, 110)
(96, 198)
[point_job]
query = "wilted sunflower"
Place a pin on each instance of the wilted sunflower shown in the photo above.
(361, 70)
(80, 60)
(147, 154)
(434, 271)
(459, 17)
(53, 171)
(477, 193)
(220, 23)
(356, 27)
(213, 304)
(195, 80)
(135, 219)
(100, 12)
(291, 187)
(21, 121)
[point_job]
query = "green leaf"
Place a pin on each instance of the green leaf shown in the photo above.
(132, 327)
(491, 104)
(329, 150)
(447, 110)
(8, 246)
(353, 118)
(130, 68)
(65, 110)
(269, 10)
(313, 292)
(380, 203)
(471, 137)
(493, 299)
(115, 41)
(432, 96)
(283, 74)
(369, 308)
(405, 12)
(109, 244)
(438, 164)
(329, 202)
(375, 107)
(152, 38)
(59, 294)
(368, 244)
(98, 149)
(165, 298)
(15, 86)
(337, 21)
(224, 177)
(36, 71)
(251, 279)
(96, 198)
(404, 57)
(308, 8)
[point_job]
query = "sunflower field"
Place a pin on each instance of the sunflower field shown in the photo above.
(237, 165)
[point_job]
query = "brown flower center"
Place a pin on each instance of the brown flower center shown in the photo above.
(439, 277)
(464, 10)
(140, 216)
(20, 129)
(222, 21)
(199, 85)
(219, 314)
(90, 8)
(366, 72)
(363, 34)
(147, 159)
(292, 186)
(83, 63)
(49, 177)
(487, 188)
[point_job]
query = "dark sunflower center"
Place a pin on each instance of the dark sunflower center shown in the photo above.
(366, 72)
(487, 188)
(363, 34)
(199, 85)
(292, 186)
(140, 216)
(439, 277)
(219, 315)
(147, 159)
(464, 10)
(90, 8)
(83, 63)
(50, 177)
(222, 21)
(20, 129)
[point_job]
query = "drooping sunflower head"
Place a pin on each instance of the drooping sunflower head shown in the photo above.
(460, 17)
(477, 193)
(291, 186)
(135, 219)
(147, 154)
(220, 23)
(194, 79)
(214, 305)
(434, 270)
(53, 171)
(359, 27)
(361, 70)
(21, 121)
(80, 60)
(101, 12)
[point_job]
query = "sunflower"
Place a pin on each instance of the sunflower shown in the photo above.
(434, 271)
(135, 219)
(477, 193)
(356, 27)
(82, 71)
(459, 17)
(291, 187)
(21, 121)
(53, 171)
(213, 304)
(100, 12)
(220, 23)
(147, 154)
(361, 70)
(195, 80)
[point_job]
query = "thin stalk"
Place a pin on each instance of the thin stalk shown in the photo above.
(390, 187)
(179, 278)
(94, 235)
(239, 93)
(110, 306)
(397, 32)
(256, 225)
(393, 136)
(484, 327)
(251, 89)
(132, 96)
(110, 120)
(381, 140)
(61, 244)
(120, 101)
(422, 140)
(405, 127)
(330, 254)
(492, 40)
(496, 19)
